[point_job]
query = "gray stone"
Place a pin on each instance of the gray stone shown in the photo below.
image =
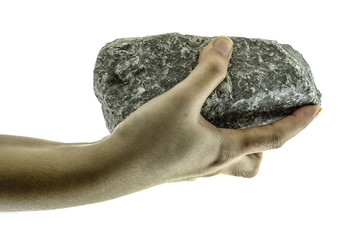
(265, 82)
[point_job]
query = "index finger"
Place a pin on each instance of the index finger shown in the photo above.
(274, 135)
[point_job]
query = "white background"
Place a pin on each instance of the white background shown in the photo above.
(308, 189)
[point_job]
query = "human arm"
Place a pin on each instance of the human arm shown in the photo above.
(37, 174)
(164, 140)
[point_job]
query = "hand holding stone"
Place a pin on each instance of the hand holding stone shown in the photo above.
(168, 135)
(167, 139)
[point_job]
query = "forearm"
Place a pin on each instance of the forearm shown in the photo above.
(21, 141)
(38, 174)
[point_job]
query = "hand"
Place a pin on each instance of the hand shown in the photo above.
(169, 137)
(164, 140)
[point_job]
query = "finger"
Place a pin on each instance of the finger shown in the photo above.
(245, 166)
(270, 136)
(210, 71)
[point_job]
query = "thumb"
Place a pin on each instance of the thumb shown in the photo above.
(210, 71)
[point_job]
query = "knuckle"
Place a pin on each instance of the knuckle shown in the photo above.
(246, 145)
(252, 173)
(277, 140)
(245, 173)
(216, 67)
(247, 169)
(237, 173)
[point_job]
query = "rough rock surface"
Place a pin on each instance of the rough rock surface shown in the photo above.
(265, 82)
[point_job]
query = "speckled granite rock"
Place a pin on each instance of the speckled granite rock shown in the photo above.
(266, 80)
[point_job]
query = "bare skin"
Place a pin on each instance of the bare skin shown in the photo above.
(165, 140)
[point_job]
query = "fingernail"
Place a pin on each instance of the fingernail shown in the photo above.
(317, 113)
(223, 45)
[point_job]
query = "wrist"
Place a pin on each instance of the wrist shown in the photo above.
(127, 169)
